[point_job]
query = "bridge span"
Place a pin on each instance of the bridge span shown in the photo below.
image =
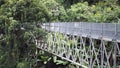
(89, 45)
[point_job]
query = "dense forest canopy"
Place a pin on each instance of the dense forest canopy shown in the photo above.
(83, 10)
(19, 19)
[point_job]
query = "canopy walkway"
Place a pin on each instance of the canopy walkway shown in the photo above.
(89, 45)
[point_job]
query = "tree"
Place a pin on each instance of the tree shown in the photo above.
(56, 11)
(18, 29)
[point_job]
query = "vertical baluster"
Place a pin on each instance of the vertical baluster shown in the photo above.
(90, 53)
(115, 48)
(102, 53)
(114, 54)
(102, 47)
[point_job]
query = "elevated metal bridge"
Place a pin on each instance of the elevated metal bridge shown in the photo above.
(89, 45)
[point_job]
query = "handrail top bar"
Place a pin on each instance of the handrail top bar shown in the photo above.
(86, 22)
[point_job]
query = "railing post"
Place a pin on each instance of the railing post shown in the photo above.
(115, 48)
(114, 54)
(102, 53)
(102, 47)
(49, 26)
(91, 53)
(115, 29)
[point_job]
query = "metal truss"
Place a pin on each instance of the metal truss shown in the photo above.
(84, 51)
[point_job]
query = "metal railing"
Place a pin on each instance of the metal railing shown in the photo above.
(108, 31)
(90, 45)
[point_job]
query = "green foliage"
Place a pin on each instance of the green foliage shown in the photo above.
(55, 59)
(101, 12)
(77, 11)
(60, 39)
(68, 3)
(56, 11)
(18, 29)
(23, 65)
